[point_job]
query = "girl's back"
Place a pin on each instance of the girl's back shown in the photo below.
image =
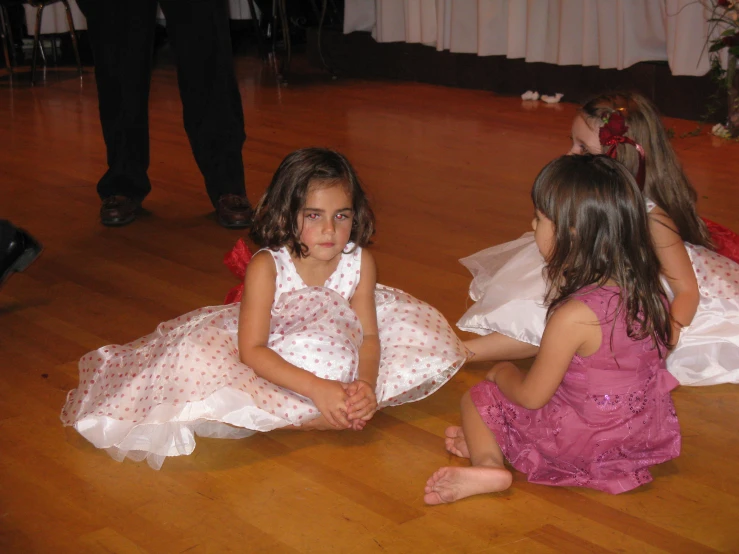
(621, 364)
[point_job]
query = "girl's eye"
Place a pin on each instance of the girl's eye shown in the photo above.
(342, 217)
(312, 217)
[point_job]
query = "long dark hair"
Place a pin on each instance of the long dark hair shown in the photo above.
(602, 234)
(275, 221)
(665, 182)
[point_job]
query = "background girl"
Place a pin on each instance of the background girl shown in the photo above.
(595, 408)
(315, 343)
(703, 286)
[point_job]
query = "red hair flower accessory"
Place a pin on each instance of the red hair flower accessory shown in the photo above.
(613, 132)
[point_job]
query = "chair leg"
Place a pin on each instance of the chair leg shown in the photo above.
(39, 13)
(258, 30)
(73, 34)
(285, 24)
(5, 37)
(321, 21)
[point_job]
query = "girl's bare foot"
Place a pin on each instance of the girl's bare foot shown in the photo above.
(455, 442)
(449, 484)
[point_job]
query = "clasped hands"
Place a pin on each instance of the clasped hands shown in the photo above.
(346, 405)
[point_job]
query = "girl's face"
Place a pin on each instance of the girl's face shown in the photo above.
(543, 233)
(585, 139)
(325, 222)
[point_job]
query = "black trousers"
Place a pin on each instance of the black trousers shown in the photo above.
(122, 37)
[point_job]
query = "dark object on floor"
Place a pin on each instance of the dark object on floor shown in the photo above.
(18, 249)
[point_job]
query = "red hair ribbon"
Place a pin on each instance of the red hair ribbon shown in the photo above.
(612, 133)
(237, 260)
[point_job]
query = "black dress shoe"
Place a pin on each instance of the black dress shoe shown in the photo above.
(117, 211)
(234, 211)
(18, 254)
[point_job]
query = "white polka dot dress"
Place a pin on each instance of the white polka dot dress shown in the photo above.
(149, 398)
(708, 350)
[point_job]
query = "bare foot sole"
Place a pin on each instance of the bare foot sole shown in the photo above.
(455, 442)
(449, 484)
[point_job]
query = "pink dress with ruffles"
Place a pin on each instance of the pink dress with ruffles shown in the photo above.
(611, 418)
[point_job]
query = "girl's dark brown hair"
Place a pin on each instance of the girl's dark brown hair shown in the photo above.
(602, 234)
(276, 216)
(665, 182)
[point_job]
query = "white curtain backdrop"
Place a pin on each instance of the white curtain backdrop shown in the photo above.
(55, 20)
(605, 33)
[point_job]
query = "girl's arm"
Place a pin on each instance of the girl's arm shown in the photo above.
(363, 401)
(254, 324)
(572, 328)
(496, 347)
(677, 269)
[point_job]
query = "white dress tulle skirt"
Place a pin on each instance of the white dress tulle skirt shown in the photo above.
(149, 398)
(508, 288)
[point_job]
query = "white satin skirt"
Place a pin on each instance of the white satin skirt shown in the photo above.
(508, 288)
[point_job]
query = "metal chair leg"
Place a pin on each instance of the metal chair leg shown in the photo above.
(321, 21)
(279, 18)
(73, 34)
(285, 24)
(39, 13)
(6, 38)
(256, 23)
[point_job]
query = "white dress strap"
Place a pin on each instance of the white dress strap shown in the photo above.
(287, 279)
(343, 280)
(346, 277)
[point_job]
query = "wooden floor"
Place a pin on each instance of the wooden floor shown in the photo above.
(449, 172)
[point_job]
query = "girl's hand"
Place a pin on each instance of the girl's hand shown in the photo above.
(362, 403)
(331, 399)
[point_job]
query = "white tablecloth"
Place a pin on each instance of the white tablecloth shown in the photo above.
(55, 20)
(605, 33)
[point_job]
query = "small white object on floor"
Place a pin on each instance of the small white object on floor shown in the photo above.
(530, 95)
(552, 99)
(720, 131)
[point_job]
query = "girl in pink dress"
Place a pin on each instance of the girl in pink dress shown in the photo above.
(314, 343)
(595, 408)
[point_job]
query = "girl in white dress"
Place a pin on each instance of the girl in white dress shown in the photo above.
(508, 285)
(314, 344)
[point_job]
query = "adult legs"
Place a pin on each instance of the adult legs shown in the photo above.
(121, 35)
(199, 31)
